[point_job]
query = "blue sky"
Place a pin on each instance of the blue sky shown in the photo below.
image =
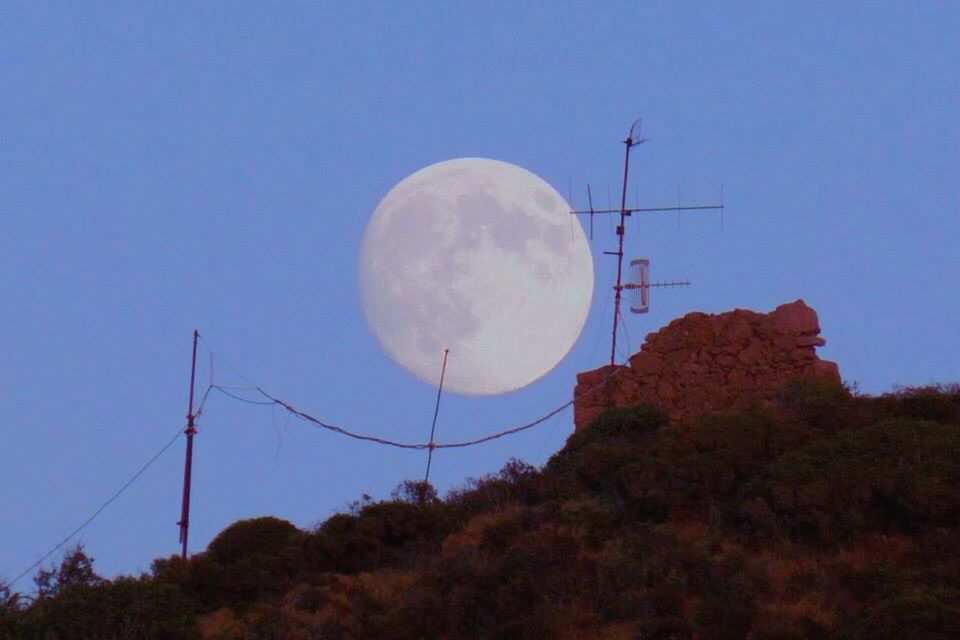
(171, 166)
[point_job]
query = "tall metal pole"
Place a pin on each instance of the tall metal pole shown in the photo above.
(190, 431)
(436, 410)
(618, 288)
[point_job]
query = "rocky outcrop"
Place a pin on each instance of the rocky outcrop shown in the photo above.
(705, 363)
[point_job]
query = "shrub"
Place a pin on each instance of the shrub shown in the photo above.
(264, 536)
(248, 560)
(912, 613)
(382, 535)
(593, 456)
(516, 482)
(940, 403)
(898, 475)
(73, 602)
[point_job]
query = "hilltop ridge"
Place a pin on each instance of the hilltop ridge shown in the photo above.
(705, 363)
(798, 510)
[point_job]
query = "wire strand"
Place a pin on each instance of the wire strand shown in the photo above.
(626, 335)
(603, 318)
(216, 356)
(419, 446)
(265, 403)
(274, 401)
(96, 513)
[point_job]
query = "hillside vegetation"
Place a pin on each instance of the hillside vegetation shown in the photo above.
(827, 515)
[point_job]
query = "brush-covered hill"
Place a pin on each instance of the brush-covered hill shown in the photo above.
(823, 515)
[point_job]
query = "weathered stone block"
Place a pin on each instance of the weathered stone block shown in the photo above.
(702, 363)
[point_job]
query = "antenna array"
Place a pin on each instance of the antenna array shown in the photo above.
(640, 285)
(634, 139)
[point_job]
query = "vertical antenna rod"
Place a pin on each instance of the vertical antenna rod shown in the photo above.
(191, 430)
(436, 410)
(618, 288)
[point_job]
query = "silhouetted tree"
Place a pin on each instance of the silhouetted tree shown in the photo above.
(76, 569)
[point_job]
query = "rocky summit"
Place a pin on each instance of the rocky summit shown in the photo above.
(706, 363)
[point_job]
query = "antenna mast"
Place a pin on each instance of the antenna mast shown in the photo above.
(618, 288)
(191, 430)
(624, 212)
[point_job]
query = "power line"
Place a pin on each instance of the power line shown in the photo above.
(215, 356)
(508, 432)
(224, 391)
(274, 401)
(344, 432)
(412, 445)
(96, 513)
(416, 446)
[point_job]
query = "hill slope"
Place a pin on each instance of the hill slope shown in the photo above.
(826, 515)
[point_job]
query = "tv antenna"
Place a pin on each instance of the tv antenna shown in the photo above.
(634, 138)
(640, 285)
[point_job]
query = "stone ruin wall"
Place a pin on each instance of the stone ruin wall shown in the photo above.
(704, 363)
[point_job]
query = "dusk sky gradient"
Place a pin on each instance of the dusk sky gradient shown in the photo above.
(171, 166)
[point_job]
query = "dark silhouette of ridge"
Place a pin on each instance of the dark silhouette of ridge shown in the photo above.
(824, 514)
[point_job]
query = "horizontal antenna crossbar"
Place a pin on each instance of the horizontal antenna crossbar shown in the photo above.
(672, 283)
(648, 209)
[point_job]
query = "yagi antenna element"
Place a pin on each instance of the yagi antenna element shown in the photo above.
(638, 289)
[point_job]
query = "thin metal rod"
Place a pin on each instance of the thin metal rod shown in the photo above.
(698, 207)
(191, 430)
(671, 283)
(618, 288)
(436, 411)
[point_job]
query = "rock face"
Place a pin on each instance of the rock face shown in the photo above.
(703, 363)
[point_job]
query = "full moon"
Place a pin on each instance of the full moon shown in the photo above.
(480, 257)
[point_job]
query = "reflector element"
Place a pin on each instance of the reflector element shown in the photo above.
(639, 286)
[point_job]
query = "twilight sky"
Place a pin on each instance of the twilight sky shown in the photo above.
(172, 166)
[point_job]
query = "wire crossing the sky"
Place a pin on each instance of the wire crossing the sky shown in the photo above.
(136, 476)
(96, 513)
(270, 400)
(418, 446)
